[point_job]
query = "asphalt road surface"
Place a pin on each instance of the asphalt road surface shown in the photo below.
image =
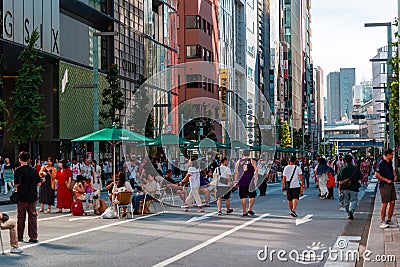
(170, 239)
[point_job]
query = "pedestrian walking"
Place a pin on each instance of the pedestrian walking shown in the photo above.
(96, 182)
(365, 170)
(224, 185)
(387, 176)
(9, 224)
(26, 179)
(48, 174)
(245, 178)
(7, 172)
(349, 185)
(193, 176)
(64, 195)
(322, 172)
(293, 175)
(305, 169)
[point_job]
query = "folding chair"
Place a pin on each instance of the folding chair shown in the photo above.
(124, 200)
(151, 202)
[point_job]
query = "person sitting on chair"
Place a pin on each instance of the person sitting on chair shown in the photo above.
(171, 183)
(11, 225)
(122, 185)
(149, 188)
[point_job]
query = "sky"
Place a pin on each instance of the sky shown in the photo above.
(340, 39)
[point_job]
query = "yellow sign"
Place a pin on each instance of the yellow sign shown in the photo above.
(223, 77)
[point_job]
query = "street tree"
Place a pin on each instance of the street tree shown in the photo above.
(112, 98)
(284, 136)
(394, 85)
(28, 118)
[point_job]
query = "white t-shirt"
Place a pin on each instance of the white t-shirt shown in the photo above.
(76, 170)
(288, 171)
(194, 178)
(225, 172)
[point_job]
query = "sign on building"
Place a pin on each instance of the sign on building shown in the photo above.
(22, 17)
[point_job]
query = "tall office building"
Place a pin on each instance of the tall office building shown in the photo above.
(293, 38)
(347, 81)
(319, 102)
(340, 89)
(333, 112)
(379, 81)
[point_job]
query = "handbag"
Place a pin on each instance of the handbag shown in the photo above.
(287, 184)
(346, 183)
(222, 180)
(14, 198)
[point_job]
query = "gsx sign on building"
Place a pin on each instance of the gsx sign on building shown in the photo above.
(21, 17)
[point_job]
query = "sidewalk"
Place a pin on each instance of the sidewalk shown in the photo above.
(384, 242)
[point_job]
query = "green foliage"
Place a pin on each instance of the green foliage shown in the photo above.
(394, 86)
(112, 98)
(284, 136)
(28, 117)
(298, 138)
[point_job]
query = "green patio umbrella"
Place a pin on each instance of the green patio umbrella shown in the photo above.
(235, 144)
(262, 148)
(170, 139)
(114, 135)
(207, 143)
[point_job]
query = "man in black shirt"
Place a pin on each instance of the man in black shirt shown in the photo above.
(26, 179)
(387, 177)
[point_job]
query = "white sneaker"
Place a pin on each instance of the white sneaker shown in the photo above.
(15, 250)
(384, 225)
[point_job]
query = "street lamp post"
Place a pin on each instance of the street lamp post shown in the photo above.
(388, 91)
(96, 86)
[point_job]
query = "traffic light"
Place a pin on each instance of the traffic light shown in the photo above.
(358, 116)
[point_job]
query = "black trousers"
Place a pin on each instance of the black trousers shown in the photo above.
(263, 187)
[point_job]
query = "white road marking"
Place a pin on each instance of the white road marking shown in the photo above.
(206, 216)
(84, 218)
(209, 241)
(87, 231)
(54, 217)
(305, 219)
(303, 196)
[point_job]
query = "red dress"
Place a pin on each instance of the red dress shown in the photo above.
(64, 196)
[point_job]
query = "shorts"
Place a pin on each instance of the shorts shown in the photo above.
(223, 192)
(293, 193)
(388, 193)
(244, 192)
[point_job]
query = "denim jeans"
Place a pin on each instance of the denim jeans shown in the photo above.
(350, 200)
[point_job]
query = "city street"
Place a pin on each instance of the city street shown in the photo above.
(161, 239)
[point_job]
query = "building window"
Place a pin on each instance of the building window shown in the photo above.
(383, 68)
(204, 25)
(179, 53)
(193, 51)
(204, 55)
(209, 56)
(193, 81)
(250, 73)
(193, 22)
(205, 83)
(208, 28)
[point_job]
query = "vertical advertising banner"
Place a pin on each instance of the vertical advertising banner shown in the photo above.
(223, 81)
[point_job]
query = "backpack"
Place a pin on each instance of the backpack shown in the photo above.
(77, 208)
